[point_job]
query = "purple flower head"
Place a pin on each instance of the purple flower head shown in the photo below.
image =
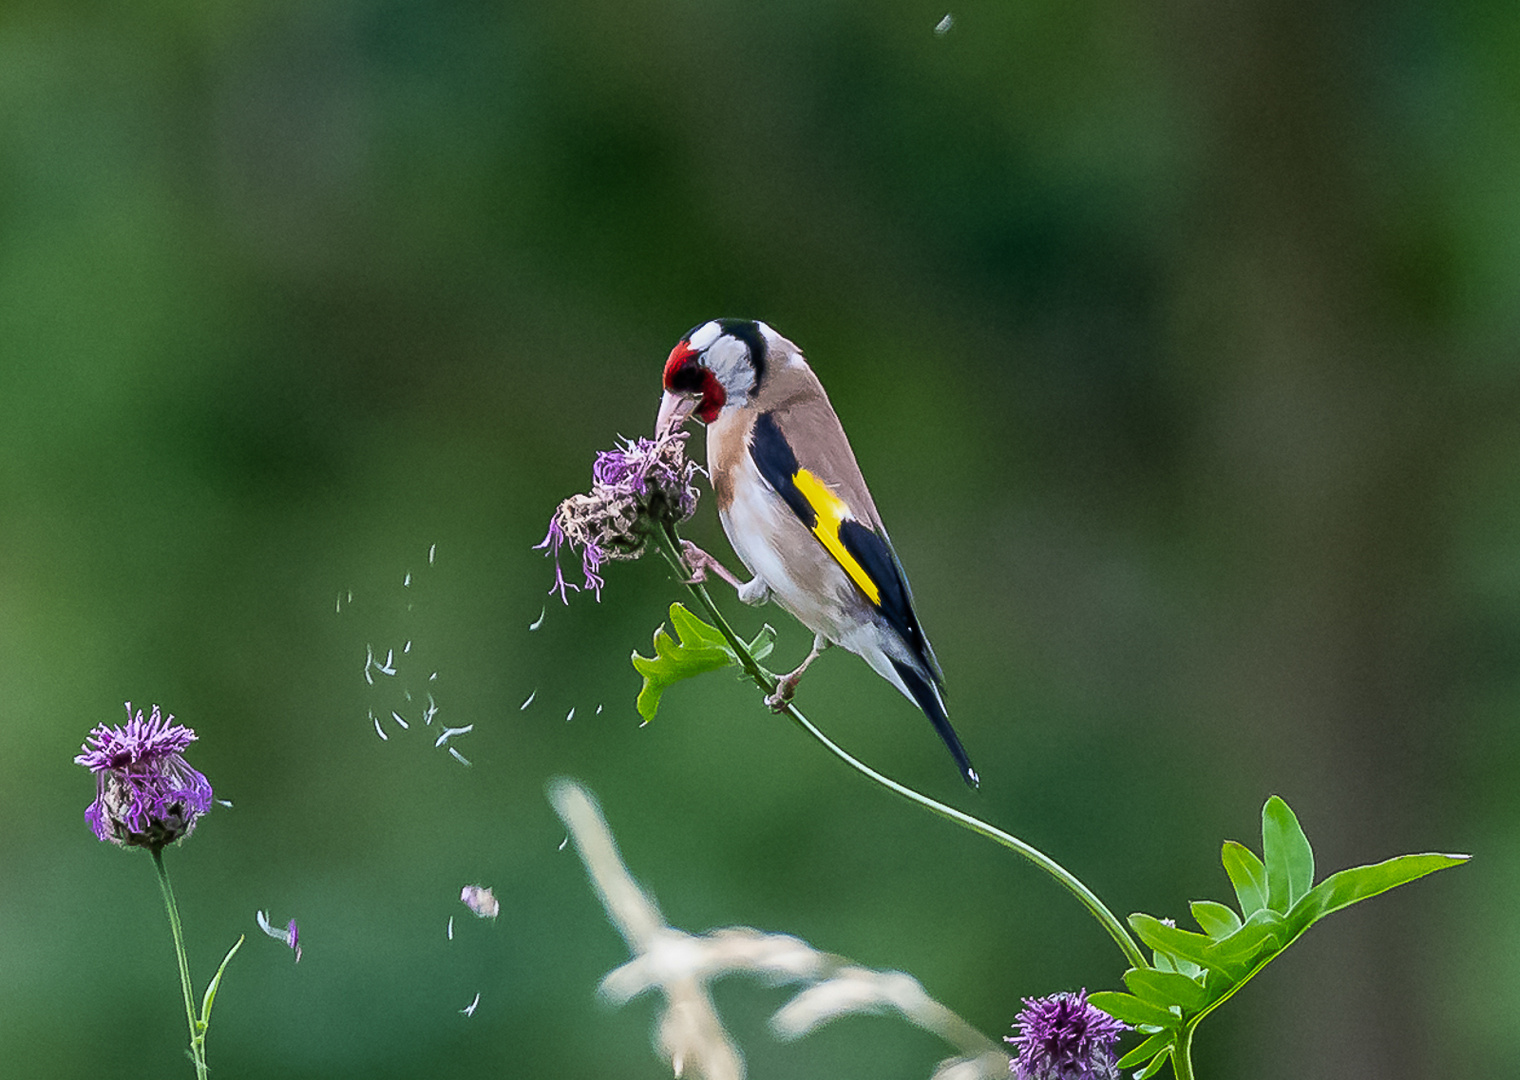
(636, 487)
(146, 795)
(1062, 1037)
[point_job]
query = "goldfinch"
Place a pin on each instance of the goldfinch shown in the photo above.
(796, 509)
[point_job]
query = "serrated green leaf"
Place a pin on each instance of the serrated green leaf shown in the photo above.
(673, 661)
(1288, 857)
(1154, 1067)
(1361, 882)
(1217, 920)
(1247, 874)
(1158, 1043)
(1166, 988)
(695, 633)
(1132, 1010)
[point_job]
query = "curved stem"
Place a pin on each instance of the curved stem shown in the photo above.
(197, 1039)
(767, 682)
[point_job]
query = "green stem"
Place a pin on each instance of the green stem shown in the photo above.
(197, 1038)
(1182, 1053)
(671, 549)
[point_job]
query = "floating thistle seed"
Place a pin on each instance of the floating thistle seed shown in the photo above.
(636, 488)
(1062, 1037)
(482, 901)
(449, 732)
(290, 936)
(146, 794)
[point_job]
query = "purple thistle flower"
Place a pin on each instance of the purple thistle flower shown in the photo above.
(552, 542)
(591, 563)
(635, 488)
(1062, 1037)
(146, 794)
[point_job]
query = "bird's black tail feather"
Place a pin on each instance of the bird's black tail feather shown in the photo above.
(928, 697)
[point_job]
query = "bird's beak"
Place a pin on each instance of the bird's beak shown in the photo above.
(674, 411)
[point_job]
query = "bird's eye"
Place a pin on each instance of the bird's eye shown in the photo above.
(686, 379)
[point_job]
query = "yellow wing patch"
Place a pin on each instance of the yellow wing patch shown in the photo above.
(831, 510)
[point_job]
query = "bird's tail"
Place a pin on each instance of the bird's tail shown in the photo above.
(932, 702)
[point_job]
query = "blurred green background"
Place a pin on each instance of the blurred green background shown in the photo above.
(1178, 342)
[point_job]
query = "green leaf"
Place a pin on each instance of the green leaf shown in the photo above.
(1132, 1010)
(1360, 882)
(695, 633)
(764, 642)
(1162, 960)
(216, 981)
(1154, 1067)
(1217, 920)
(1231, 950)
(1158, 1043)
(1167, 988)
(701, 649)
(1248, 876)
(1243, 948)
(1287, 854)
(1181, 944)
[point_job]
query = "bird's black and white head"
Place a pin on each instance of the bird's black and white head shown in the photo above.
(717, 365)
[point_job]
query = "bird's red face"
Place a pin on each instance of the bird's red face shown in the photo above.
(717, 365)
(690, 388)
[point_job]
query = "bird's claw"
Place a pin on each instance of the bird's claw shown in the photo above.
(778, 700)
(698, 560)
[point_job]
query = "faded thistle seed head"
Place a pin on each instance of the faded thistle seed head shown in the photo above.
(636, 488)
(146, 794)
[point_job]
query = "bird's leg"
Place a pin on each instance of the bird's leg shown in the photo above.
(701, 562)
(786, 686)
(753, 591)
